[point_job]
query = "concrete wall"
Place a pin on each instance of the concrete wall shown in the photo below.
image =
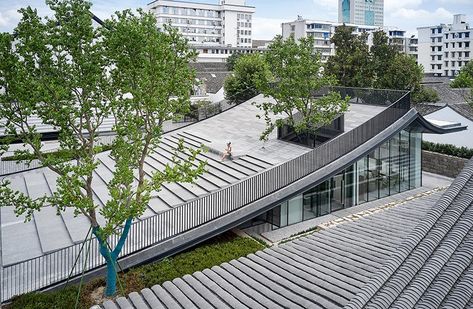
(441, 164)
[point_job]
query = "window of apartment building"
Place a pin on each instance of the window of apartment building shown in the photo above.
(467, 54)
(459, 63)
(467, 44)
(433, 48)
(439, 39)
(433, 66)
(453, 45)
(446, 45)
(165, 10)
(433, 31)
(439, 57)
(446, 36)
(446, 55)
(467, 34)
(453, 54)
(433, 58)
(439, 48)
(439, 30)
(446, 63)
(293, 28)
(460, 44)
(439, 66)
(460, 35)
(433, 40)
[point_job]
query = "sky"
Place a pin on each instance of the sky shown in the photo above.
(404, 14)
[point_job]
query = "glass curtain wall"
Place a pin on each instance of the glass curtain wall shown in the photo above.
(393, 167)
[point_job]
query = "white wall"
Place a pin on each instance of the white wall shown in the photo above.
(459, 139)
(424, 49)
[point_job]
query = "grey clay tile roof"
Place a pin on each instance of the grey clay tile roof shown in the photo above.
(433, 268)
(324, 270)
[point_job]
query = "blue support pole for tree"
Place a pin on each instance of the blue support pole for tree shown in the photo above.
(112, 256)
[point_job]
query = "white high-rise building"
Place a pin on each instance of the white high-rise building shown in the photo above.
(445, 49)
(361, 12)
(228, 23)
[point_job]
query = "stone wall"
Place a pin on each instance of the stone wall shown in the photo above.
(441, 164)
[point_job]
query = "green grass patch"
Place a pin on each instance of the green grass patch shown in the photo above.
(216, 251)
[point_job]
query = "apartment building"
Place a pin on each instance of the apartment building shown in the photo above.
(322, 31)
(445, 48)
(228, 23)
(361, 12)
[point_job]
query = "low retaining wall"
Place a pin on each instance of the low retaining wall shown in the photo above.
(442, 164)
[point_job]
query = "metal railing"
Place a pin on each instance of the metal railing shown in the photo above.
(54, 267)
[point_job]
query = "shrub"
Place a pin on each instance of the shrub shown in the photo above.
(216, 251)
(447, 149)
(465, 78)
(424, 94)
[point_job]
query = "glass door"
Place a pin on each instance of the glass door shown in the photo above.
(337, 192)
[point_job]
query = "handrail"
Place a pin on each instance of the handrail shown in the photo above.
(51, 268)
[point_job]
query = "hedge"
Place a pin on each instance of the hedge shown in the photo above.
(447, 149)
(216, 251)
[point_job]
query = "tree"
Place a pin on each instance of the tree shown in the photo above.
(73, 76)
(351, 63)
(232, 59)
(296, 73)
(403, 73)
(464, 78)
(241, 86)
(382, 56)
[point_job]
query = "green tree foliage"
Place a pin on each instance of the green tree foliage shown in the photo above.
(351, 63)
(464, 78)
(296, 73)
(382, 66)
(242, 85)
(232, 59)
(73, 76)
(382, 54)
(425, 94)
(403, 73)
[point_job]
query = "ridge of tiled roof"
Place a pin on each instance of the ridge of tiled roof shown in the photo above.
(433, 267)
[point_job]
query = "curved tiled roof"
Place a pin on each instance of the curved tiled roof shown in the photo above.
(324, 270)
(433, 268)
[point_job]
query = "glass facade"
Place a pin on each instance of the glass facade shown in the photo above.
(393, 167)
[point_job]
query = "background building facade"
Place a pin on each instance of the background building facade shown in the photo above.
(228, 23)
(322, 31)
(361, 12)
(445, 49)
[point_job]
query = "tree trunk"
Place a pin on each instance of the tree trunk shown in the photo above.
(112, 256)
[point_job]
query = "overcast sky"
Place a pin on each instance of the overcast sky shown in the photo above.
(405, 14)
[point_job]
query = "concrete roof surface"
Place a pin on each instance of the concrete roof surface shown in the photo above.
(48, 232)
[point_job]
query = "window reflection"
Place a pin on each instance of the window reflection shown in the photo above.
(393, 167)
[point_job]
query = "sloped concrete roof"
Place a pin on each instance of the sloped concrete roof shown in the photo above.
(324, 270)
(48, 232)
(433, 268)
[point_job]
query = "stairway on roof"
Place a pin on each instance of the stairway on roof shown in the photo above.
(48, 232)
